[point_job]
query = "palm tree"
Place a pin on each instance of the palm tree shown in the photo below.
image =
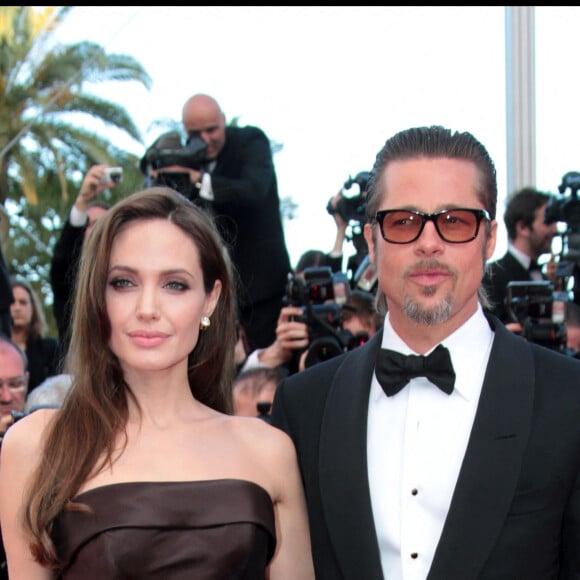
(46, 144)
(45, 109)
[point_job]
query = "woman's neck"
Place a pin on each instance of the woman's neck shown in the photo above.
(19, 336)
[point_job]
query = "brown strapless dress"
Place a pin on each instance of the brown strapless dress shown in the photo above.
(203, 530)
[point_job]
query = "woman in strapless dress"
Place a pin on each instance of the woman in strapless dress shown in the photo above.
(144, 473)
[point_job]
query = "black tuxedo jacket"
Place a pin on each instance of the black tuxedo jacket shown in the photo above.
(498, 274)
(247, 212)
(515, 511)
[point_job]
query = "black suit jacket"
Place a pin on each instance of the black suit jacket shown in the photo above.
(498, 274)
(44, 359)
(515, 512)
(247, 211)
(6, 298)
(63, 270)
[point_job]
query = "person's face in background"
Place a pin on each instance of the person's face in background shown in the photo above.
(202, 117)
(14, 383)
(540, 234)
(21, 308)
(430, 281)
(94, 213)
(247, 394)
(356, 325)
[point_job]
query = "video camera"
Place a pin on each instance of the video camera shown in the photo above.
(566, 209)
(532, 305)
(167, 150)
(322, 294)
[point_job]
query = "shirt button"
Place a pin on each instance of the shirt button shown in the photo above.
(414, 555)
(414, 491)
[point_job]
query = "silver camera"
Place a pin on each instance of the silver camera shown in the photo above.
(114, 174)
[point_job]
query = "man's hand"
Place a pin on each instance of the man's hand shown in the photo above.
(515, 327)
(291, 335)
(5, 422)
(91, 186)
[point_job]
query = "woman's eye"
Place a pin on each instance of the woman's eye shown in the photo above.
(176, 285)
(121, 283)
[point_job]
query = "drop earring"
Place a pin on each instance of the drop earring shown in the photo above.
(205, 323)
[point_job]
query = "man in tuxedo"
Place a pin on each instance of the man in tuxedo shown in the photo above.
(528, 238)
(446, 447)
(238, 185)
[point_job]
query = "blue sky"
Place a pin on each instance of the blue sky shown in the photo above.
(333, 83)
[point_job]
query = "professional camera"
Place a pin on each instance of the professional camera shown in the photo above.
(167, 150)
(321, 295)
(353, 206)
(566, 209)
(532, 305)
(352, 209)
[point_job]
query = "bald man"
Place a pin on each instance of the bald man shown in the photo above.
(13, 382)
(238, 185)
(13, 390)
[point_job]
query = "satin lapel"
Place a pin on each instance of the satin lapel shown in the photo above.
(489, 474)
(343, 465)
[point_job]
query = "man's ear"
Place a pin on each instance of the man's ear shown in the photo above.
(491, 240)
(522, 228)
(368, 234)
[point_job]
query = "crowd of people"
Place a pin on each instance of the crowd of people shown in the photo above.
(185, 373)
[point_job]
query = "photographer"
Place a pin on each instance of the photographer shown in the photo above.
(238, 184)
(349, 211)
(529, 237)
(67, 250)
(308, 333)
(254, 389)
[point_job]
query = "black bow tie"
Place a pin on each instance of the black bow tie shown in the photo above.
(394, 370)
(534, 266)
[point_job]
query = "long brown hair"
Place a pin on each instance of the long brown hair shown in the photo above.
(81, 440)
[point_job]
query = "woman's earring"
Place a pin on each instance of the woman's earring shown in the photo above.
(205, 323)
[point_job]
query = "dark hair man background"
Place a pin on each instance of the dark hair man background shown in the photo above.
(238, 184)
(528, 238)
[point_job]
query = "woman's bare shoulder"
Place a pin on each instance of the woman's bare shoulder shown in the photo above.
(28, 434)
(264, 438)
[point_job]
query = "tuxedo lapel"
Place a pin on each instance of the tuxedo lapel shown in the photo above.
(344, 484)
(490, 469)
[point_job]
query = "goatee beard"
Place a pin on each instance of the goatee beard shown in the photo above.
(428, 316)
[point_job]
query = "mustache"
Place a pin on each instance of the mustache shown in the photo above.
(428, 264)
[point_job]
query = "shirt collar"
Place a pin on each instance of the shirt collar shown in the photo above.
(522, 258)
(469, 347)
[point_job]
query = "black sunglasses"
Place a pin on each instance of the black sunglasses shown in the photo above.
(456, 226)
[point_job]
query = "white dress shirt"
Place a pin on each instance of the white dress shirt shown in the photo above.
(206, 187)
(415, 444)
